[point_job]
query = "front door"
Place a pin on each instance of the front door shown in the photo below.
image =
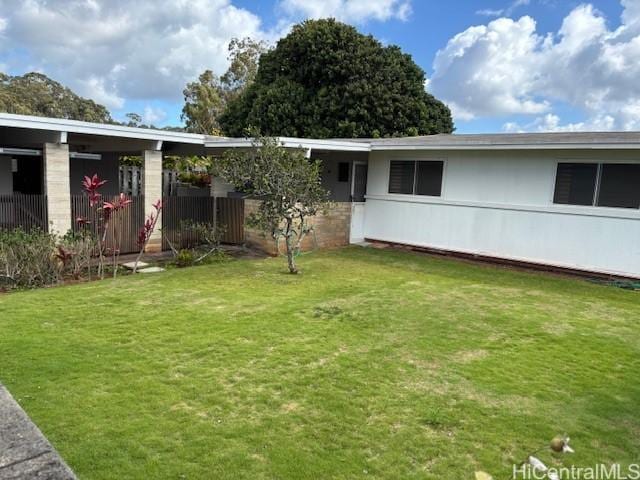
(359, 182)
(358, 192)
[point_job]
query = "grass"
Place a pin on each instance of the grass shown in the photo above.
(376, 364)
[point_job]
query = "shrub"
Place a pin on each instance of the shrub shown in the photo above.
(28, 259)
(75, 250)
(184, 258)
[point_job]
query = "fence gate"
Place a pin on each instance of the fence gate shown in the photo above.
(127, 221)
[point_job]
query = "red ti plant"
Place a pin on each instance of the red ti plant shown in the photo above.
(109, 210)
(105, 212)
(144, 235)
(91, 186)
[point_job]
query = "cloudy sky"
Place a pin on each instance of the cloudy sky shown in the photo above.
(502, 65)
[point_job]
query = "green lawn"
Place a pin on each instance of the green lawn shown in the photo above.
(376, 364)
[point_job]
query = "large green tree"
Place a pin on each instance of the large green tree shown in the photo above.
(325, 79)
(37, 94)
(206, 98)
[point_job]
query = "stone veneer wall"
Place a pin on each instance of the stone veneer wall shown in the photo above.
(332, 229)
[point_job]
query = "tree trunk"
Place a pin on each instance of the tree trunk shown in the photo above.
(291, 261)
(291, 252)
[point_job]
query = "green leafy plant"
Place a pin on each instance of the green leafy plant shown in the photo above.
(184, 258)
(203, 238)
(198, 179)
(80, 247)
(30, 259)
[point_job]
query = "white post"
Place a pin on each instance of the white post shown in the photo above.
(57, 186)
(152, 189)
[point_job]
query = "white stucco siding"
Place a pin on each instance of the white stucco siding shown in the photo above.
(501, 204)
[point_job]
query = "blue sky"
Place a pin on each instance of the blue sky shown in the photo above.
(502, 65)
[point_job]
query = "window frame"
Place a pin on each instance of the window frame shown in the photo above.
(596, 190)
(415, 175)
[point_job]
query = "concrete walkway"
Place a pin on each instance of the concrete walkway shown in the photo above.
(24, 452)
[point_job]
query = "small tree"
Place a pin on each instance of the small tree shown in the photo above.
(288, 184)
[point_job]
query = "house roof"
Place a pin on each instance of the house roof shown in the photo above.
(499, 141)
(508, 141)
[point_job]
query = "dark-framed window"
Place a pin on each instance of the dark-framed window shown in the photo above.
(416, 177)
(598, 184)
(619, 185)
(576, 183)
(343, 171)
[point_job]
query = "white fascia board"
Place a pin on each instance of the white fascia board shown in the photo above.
(291, 142)
(108, 130)
(549, 146)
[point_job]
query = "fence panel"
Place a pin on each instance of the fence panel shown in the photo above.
(226, 212)
(128, 221)
(231, 215)
(176, 210)
(25, 211)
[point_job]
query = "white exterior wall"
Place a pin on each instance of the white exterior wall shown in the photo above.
(500, 204)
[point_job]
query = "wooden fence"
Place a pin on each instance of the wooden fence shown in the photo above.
(128, 221)
(130, 180)
(226, 212)
(231, 216)
(23, 211)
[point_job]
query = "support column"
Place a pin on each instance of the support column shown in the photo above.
(57, 186)
(152, 191)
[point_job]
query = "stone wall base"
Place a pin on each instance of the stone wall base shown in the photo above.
(331, 229)
(154, 245)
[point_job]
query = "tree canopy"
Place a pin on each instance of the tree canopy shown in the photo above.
(325, 79)
(287, 183)
(206, 98)
(37, 94)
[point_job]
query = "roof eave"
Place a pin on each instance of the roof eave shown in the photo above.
(559, 146)
(109, 130)
(292, 142)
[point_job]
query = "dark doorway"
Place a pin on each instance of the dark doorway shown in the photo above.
(28, 176)
(359, 186)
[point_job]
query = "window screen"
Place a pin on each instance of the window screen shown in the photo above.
(401, 176)
(619, 186)
(343, 172)
(576, 183)
(429, 178)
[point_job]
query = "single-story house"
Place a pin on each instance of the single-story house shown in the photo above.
(563, 200)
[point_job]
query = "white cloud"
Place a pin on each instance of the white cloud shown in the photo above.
(508, 11)
(349, 10)
(487, 70)
(153, 115)
(96, 89)
(110, 50)
(506, 68)
(551, 123)
(3, 24)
